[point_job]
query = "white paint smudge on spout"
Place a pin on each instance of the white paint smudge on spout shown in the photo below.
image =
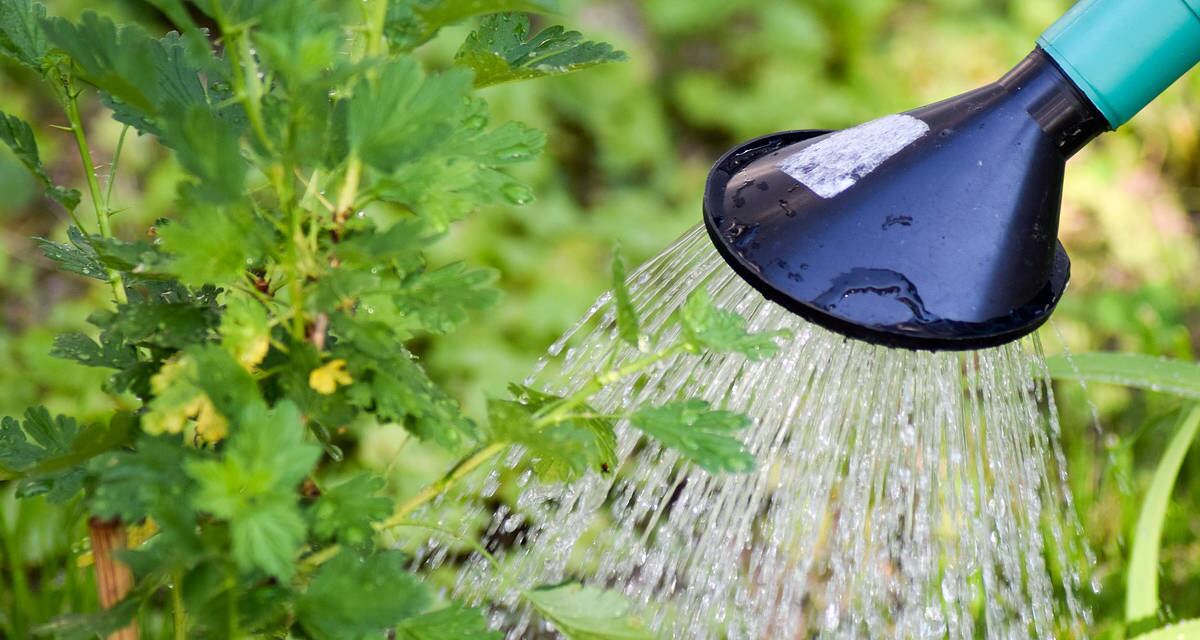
(838, 162)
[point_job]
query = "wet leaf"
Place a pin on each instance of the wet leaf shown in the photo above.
(452, 623)
(1131, 370)
(353, 597)
(502, 50)
(17, 134)
(627, 317)
(721, 331)
(587, 613)
(699, 432)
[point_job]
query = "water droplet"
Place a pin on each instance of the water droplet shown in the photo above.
(517, 193)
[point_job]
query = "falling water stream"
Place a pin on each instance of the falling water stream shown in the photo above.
(897, 493)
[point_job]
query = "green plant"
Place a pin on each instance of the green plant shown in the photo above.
(249, 333)
(1144, 614)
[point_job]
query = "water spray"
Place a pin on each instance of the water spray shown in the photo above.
(937, 228)
(909, 479)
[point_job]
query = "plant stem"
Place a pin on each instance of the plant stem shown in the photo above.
(177, 604)
(246, 84)
(114, 580)
(89, 171)
(431, 491)
(112, 174)
(558, 412)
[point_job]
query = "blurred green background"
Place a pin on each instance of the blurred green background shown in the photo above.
(630, 145)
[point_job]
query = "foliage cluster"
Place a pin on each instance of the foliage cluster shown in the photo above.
(247, 334)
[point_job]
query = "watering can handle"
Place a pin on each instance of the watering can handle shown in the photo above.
(1124, 53)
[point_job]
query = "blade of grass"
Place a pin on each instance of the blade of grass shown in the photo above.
(1131, 370)
(1186, 630)
(1141, 591)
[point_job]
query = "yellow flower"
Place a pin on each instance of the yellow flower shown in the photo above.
(327, 378)
(210, 424)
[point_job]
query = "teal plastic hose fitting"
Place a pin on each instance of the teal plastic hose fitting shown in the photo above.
(1123, 53)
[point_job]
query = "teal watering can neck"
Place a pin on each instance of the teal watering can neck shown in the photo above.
(1123, 53)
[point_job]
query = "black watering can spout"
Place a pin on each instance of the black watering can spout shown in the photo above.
(935, 228)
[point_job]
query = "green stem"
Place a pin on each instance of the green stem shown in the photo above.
(112, 175)
(376, 21)
(89, 171)
(244, 75)
(431, 491)
(561, 410)
(177, 603)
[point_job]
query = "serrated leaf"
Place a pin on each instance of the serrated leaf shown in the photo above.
(139, 257)
(253, 487)
(118, 60)
(702, 434)
(18, 135)
(77, 257)
(21, 36)
(111, 352)
(351, 597)
(559, 452)
(406, 113)
(627, 318)
(502, 50)
(411, 23)
(707, 327)
(142, 78)
(441, 299)
(455, 622)
(587, 613)
(389, 381)
(346, 512)
(46, 452)
(210, 150)
(214, 245)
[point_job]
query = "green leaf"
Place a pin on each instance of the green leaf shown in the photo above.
(253, 487)
(21, 35)
(1131, 370)
(111, 352)
(455, 622)
(346, 512)
(245, 330)
(149, 481)
(351, 597)
(1141, 591)
(721, 331)
(214, 245)
(442, 299)
(464, 172)
(17, 134)
(405, 113)
(210, 150)
(118, 60)
(411, 23)
(1186, 630)
(77, 257)
(627, 317)
(560, 452)
(502, 51)
(389, 381)
(140, 258)
(46, 452)
(587, 613)
(699, 432)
